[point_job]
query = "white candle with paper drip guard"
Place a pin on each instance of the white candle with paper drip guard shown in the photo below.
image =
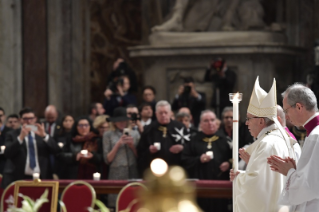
(2, 149)
(96, 176)
(235, 99)
(210, 154)
(157, 145)
(60, 144)
(84, 152)
(36, 176)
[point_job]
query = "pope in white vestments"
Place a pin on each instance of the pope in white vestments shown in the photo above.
(301, 189)
(258, 188)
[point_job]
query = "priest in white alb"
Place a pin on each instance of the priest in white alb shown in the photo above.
(301, 189)
(258, 188)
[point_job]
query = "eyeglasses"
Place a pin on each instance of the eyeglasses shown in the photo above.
(247, 119)
(286, 110)
(28, 119)
(228, 117)
(83, 125)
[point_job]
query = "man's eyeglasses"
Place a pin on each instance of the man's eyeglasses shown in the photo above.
(228, 117)
(247, 119)
(286, 110)
(83, 125)
(28, 118)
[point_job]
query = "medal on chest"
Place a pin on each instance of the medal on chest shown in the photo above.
(164, 130)
(210, 140)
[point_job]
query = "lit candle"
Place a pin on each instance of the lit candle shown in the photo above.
(36, 176)
(3, 148)
(84, 152)
(60, 144)
(210, 154)
(96, 176)
(235, 98)
(157, 145)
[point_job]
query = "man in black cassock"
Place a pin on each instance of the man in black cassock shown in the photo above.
(201, 166)
(170, 135)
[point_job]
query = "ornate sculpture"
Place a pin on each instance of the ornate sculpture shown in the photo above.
(214, 15)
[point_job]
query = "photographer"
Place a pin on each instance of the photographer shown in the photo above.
(135, 120)
(117, 95)
(120, 68)
(188, 97)
(223, 80)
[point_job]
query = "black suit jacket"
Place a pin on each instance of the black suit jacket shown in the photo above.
(16, 155)
(57, 129)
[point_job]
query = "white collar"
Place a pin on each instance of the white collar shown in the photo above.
(264, 130)
(314, 115)
(146, 122)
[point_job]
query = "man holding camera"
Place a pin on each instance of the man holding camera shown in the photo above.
(117, 94)
(223, 80)
(28, 150)
(188, 97)
(135, 123)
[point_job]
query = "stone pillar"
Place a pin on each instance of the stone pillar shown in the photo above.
(68, 55)
(10, 56)
(34, 45)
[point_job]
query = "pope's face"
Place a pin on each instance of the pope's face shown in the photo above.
(208, 123)
(254, 125)
(163, 114)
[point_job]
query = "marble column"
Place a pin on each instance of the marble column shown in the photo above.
(68, 55)
(10, 56)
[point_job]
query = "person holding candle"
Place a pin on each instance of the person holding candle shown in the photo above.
(172, 135)
(258, 188)
(83, 137)
(119, 150)
(206, 157)
(301, 186)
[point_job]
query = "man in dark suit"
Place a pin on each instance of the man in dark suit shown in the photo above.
(28, 150)
(51, 124)
(3, 131)
(188, 97)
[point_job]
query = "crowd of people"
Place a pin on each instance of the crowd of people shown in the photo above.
(120, 139)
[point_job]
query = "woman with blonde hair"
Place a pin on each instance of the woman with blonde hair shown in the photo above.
(119, 150)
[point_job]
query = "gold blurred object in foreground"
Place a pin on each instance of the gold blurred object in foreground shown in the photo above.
(168, 190)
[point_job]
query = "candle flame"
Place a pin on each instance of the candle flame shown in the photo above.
(236, 97)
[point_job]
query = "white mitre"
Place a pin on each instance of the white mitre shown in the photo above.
(262, 104)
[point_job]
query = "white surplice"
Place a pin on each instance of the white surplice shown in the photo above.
(258, 188)
(302, 186)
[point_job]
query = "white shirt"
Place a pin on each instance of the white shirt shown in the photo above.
(258, 188)
(302, 185)
(146, 122)
(52, 128)
(28, 170)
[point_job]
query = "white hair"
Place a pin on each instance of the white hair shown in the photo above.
(163, 103)
(298, 93)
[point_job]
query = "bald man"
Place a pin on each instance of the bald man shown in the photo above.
(51, 121)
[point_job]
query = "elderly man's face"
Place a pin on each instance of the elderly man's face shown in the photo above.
(254, 125)
(291, 114)
(208, 123)
(228, 119)
(163, 114)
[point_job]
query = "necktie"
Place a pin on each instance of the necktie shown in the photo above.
(31, 152)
